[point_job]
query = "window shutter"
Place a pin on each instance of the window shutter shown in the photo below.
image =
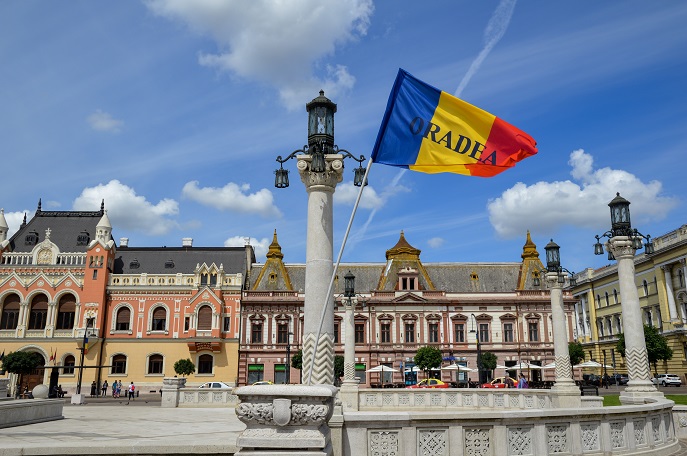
(124, 315)
(40, 303)
(159, 314)
(205, 318)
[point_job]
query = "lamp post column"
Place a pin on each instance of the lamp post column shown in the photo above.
(318, 268)
(349, 347)
(564, 393)
(638, 369)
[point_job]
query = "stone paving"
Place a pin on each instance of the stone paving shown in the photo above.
(113, 427)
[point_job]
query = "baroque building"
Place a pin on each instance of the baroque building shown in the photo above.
(64, 281)
(660, 282)
(404, 304)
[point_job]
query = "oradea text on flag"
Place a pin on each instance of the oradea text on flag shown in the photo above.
(427, 130)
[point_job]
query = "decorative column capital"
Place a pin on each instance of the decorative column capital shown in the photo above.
(552, 280)
(621, 247)
(326, 180)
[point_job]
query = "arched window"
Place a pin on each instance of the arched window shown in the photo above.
(615, 296)
(159, 319)
(39, 312)
(645, 285)
(10, 312)
(118, 364)
(680, 278)
(68, 363)
(204, 318)
(155, 364)
(205, 364)
(123, 320)
(66, 312)
(607, 301)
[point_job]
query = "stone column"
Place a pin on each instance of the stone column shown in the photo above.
(578, 317)
(349, 388)
(318, 269)
(672, 308)
(638, 370)
(170, 391)
(564, 393)
(587, 329)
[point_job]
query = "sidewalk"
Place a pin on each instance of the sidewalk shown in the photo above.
(101, 427)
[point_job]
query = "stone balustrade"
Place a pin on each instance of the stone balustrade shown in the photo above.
(175, 394)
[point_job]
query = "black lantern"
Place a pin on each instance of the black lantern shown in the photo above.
(321, 120)
(359, 176)
(349, 285)
(317, 165)
(620, 216)
(649, 246)
(598, 247)
(536, 281)
(281, 177)
(553, 256)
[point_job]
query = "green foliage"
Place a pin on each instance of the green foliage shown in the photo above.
(297, 360)
(338, 366)
(21, 362)
(488, 361)
(428, 358)
(657, 348)
(184, 367)
(576, 352)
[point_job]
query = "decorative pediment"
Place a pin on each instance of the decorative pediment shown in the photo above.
(409, 297)
(532, 316)
(204, 294)
(386, 317)
(508, 316)
(433, 317)
(483, 317)
(256, 317)
(41, 281)
(409, 317)
(19, 282)
(459, 317)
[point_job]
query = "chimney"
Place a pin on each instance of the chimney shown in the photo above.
(124, 242)
(187, 242)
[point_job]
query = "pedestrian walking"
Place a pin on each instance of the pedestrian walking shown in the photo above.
(94, 389)
(132, 390)
(104, 388)
(522, 383)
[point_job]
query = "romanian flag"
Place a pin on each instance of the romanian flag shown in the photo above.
(52, 356)
(430, 131)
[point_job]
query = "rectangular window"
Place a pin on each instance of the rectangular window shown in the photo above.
(508, 332)
(118, 365)
(282, 333)
(460, 332)
(95, 274)
(360, 333)
(205, 364)
(386, 333)
(279, 374)
(227, 324)
(255, 373)
(534, 332)
(360, 372)
(336, 333)
(433, 332)
(410, 332)
(187, 323)
(484, 332)
(155, 365)
(256, 333)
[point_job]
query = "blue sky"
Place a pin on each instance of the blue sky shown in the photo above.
(174, 113)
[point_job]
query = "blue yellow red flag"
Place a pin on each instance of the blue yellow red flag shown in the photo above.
(430, 131)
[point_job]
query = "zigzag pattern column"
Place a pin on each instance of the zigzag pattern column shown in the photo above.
(637, 363)
(323, 370)
(566, 393)
(563, 367)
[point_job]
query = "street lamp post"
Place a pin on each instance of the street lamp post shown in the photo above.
(349, 343)
(320, 164)
(78, 397)
(288, 358)
(564, 393)
(623, 242)
(480, 375)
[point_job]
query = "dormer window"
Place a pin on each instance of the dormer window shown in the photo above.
(134, 264)
(169, 264)
(31, 238)
(83, 238)
(408, 279)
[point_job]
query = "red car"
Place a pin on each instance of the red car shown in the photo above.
(429, 383)
(499, 382)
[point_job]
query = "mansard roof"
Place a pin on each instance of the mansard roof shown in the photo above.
(173, 260)
(64, 226)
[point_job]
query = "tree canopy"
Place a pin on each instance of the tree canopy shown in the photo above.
(428, 358)
(576, 352)
(488, 361)
(297, 360)
(21, 362)
(657, 348)
(184, 367)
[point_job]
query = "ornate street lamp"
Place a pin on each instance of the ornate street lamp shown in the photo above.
(623, 242)
(320, 164)
(553, 265)
(349, 342)
(479, 349)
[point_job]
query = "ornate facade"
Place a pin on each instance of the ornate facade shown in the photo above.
(660, 281)
(404, 304)
(62, 275)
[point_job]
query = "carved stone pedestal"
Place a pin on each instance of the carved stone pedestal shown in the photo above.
(170, 391)
(285, 420)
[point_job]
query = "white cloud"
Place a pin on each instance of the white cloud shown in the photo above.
(234, 198)
(128, 210)
(260, 247)
(435, 242)
(346, 193)
(15, 219)
(280, 43)
(103, 121)
(546, 206)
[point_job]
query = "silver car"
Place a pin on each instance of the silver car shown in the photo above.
(666, 380)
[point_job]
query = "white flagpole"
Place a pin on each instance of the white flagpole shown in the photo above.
(336, 267)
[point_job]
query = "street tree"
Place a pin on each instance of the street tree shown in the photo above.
(657, 348)
(21, 363)
(576, 352)
(488, 362)
(297, 360)
(184, 367)
(428, 358)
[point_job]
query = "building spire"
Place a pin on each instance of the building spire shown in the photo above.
(529, 250)
(38, 210)
(275, 249)
(4, 228)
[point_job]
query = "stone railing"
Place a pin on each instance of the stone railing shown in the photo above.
(623, 430)
(175, 394)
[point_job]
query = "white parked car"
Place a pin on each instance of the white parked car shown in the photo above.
(666, 380)
(220, 385)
